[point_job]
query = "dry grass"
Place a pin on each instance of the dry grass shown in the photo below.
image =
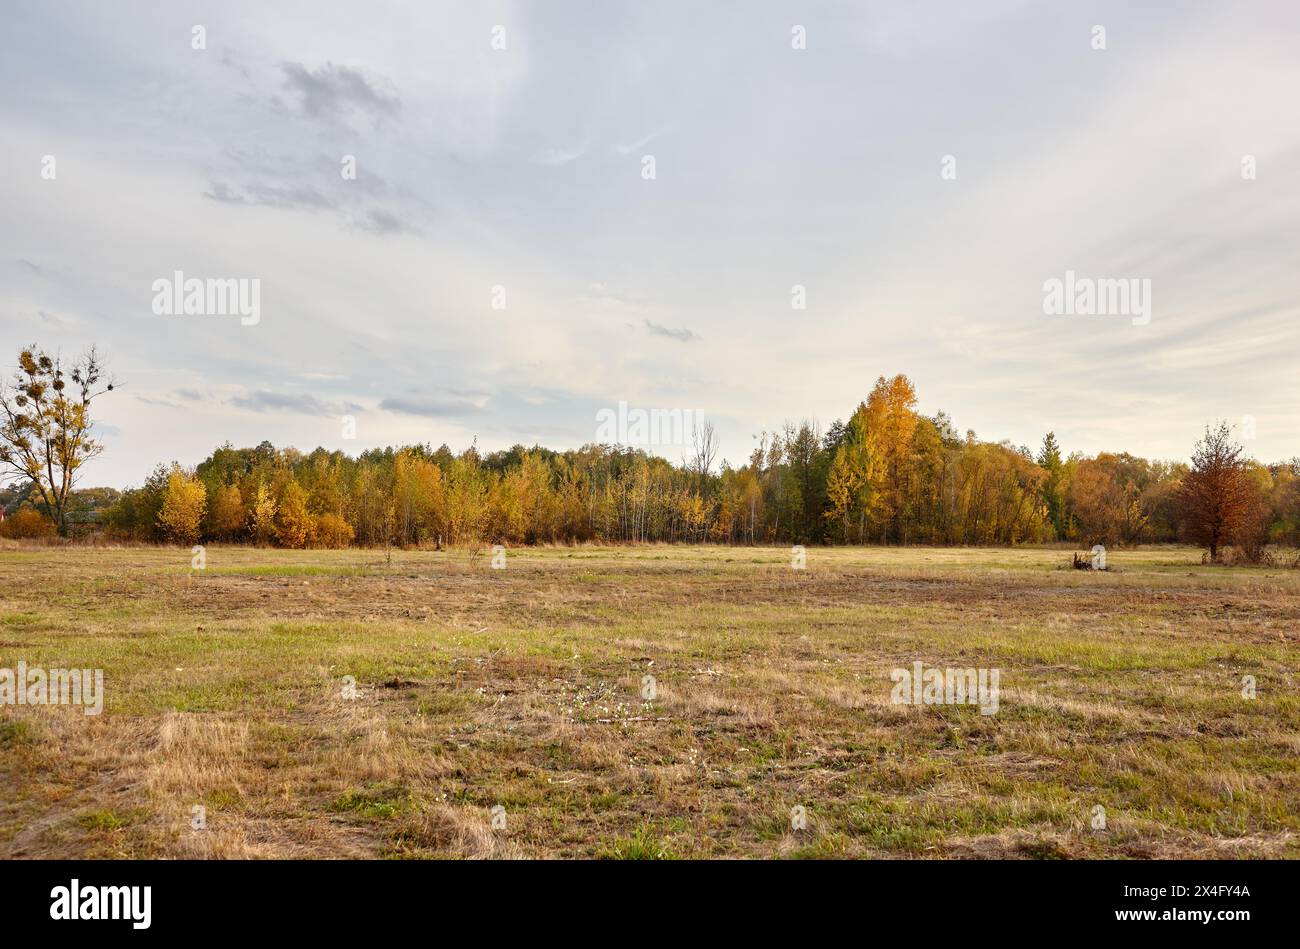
(521, 688)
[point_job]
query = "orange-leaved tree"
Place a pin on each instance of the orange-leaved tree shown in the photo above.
(891, 422)
(1215, 494)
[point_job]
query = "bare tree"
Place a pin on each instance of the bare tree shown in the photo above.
(45, 427)
(705, 442)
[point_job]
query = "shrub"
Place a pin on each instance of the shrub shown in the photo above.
(27, 522)
(330, 530)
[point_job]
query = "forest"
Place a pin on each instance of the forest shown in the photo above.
(888, 475)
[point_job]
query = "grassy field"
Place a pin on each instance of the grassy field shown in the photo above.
(522, 688)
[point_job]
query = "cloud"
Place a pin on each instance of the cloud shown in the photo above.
(374, 220)
(230, 62)
(682, 334)
(534, 432)
(558, 156)
(600, 293)
(379, 221)
(163, 403)
(943, 281)
(263, 401)
(333, 91)
(367, 203)
(432, 408)
(270, 196)
(631, 147)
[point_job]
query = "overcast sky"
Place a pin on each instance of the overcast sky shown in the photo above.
(774, 167)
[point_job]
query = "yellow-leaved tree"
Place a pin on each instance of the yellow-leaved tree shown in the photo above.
(226, 515)
(849, 480)
(262, 517)
(184, 501)
(293, 523)
(891, 422)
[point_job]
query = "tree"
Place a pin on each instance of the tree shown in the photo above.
(134, 516)
(227, 516)
(293, 524)
(184, 500)
(1054, 488)
(849, 479)
(1214, 496)
(45, 426)
(417, 497)
(1097, 501)
(704, 444)
(891, 422)
(802, 482)
(1251, 532)
(262, 516)
(466, 497)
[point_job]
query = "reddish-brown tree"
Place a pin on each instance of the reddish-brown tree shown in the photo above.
(1215, 495)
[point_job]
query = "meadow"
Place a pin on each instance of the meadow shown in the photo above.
(503, 712)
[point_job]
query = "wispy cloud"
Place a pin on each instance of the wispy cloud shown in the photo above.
(379, 221)
(558, 156)
(302, 404)
(681, 334)
(432, 408)
(630, 147)
(270, 196)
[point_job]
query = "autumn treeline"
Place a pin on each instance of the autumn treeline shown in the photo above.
(888, 475)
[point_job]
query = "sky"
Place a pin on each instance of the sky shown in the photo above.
(503, 266)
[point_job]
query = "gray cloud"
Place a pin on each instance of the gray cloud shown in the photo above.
(367, 203)
(270, 196)
(681, 334)
(263, 401)
(431, 408)
(163, 403)
(229, 61)
(333, 91)
(298, 197)
(379, 221)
